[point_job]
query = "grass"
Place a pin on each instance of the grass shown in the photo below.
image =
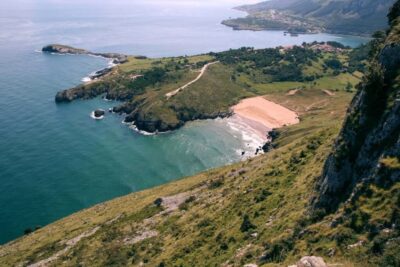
(198, 234)
(390, 163)
(135, 64)
(214, 92)
(253, 211)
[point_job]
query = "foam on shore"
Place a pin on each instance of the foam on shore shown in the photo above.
(86, 79)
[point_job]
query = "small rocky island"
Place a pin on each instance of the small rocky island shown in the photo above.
(98, 114)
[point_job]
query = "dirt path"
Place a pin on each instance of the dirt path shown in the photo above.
(202, 71)
(328, 92)
(293, 92)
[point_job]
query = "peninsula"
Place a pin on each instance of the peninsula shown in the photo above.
(161, 94)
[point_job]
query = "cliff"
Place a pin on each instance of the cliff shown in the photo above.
(368, 147)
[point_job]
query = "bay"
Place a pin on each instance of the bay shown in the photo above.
(55, 159)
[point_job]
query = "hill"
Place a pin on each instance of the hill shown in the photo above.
(149, 89)
(358, 17)
(329, 186)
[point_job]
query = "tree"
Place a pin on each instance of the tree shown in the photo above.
(333, 63)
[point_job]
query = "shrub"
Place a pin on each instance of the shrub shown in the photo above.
(358, 220)
(27, 231)
(344, 236)
(378, 245)
(333, 63)
(158, 202)
(262, 196)
(277, 251)
(216, 183)
(246, 224)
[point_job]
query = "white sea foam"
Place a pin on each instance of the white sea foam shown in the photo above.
(86, 79)
(133, 127)
(111, 63)
(96, 118)
(251, 138)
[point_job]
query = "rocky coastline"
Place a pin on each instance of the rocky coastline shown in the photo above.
(64, 49)
(133, 109)
(134, 114)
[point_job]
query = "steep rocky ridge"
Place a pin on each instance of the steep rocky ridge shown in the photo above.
(368, 147)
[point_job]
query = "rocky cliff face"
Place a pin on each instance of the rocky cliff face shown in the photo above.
(368, 147)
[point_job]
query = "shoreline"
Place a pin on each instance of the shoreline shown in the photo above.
(262, 116)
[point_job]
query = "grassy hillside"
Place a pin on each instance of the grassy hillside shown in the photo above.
(334, 16)
(201, 220)
(251, 212)
(269, 210)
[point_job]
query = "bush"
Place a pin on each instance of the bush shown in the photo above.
(333, 63)
(277, 251)
(27, 231)
(216, 183)
(158, 202)
(358, 220)
(246, 224)
(262, 196)
(391, 256)
(344, 236)
(378, 245)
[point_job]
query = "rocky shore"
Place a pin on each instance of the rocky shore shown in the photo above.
(134, 109)
(141, 119)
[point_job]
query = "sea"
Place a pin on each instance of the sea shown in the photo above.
(54, 158)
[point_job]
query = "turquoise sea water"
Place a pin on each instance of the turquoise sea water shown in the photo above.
(55, 159)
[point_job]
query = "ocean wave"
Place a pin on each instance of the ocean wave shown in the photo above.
(111, 63)
(251, 139)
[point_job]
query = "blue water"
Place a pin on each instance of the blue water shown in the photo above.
(54, 159)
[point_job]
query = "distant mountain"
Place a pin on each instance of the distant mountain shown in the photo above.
(335, 16)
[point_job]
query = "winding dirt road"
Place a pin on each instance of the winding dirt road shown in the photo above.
(202, 71)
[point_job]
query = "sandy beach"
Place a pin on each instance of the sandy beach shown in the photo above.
(263, 115)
